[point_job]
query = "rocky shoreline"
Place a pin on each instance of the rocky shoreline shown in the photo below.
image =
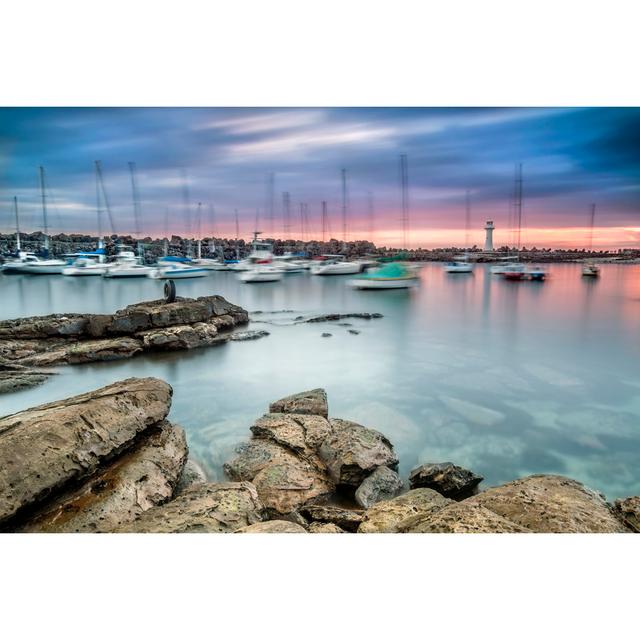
(110, 461)
(29, 345)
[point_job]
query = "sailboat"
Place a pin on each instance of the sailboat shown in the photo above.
(462, 264)
(589, 268)
(259, 265)
(516, 270)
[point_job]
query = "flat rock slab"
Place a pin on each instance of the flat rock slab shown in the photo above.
(312, 402)
(352, 452)
(346, 519)
(388, 516)
(460, 517)
(45, 447)
(14, 377)
(299, 432)
(221, 507)
(273, 526)
(550, 504)
(446, 478)
(628, 512)
(382, 484)
(141, 478)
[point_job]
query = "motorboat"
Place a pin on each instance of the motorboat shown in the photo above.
(590, 270)
(460, 264)
(498, 269)
(127, 265)
(334, 265)
(537, 273)
(30, 263)
(262, 273)
(177, 271)
(390, 276)
(85, 266)
(261, 253)
(291, 263)
(211, 265)
(514, 271)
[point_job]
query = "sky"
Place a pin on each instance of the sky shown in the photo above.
(222, 158)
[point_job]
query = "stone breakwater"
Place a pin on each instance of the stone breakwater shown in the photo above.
(110, 461)
(28, 345)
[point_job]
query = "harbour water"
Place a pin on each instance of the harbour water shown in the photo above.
(505, 378)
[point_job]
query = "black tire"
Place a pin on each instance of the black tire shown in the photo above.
(169, 291)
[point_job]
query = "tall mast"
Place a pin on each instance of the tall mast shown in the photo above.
(187, 208)
(270, 201)
(136, 199)
(237, 235)
(165, 244)
(593, 217)
(404, 188)
(518, 202)
(324, 220)
(302, 205)
(98, 205)
(467, 218)
(212, 222)
(371, 212)
(44, 209)
(344, 205)
(15, 208)
(101, 188)
(286, 220)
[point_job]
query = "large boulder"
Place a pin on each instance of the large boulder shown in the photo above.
(312, 402)
(221, 507)
(382, 484)
(550, 504)
(273, 526)
(628, 512)
(446, 478)
(388, 516)
(351, 452)
(184, 336)
(460, 517)
(43, 448)
(346, 519)
(141, 478)
(43, 326)
(254, 456)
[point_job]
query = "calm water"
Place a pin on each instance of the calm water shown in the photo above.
(504, 378)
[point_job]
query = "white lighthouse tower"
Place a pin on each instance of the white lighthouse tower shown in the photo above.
(488, 242)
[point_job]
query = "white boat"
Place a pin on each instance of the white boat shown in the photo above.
(29, 263)
(177, 271)
(211, 265)
(15, 265)
(262, 273)
(335, 265)
(391, 276)
(514, 271)
(460, 264)
(590, 270)
(85, 266)
(126, 265)
(261, 253)
(290, 263)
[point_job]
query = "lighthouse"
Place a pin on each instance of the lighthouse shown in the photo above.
(488, 242)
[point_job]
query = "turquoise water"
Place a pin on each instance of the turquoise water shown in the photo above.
(505, 378)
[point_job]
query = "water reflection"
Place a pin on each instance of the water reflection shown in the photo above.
(507, 378)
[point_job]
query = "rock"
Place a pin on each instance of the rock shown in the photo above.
(550, 504)
(352, 452)
(445, 478)
(388, 516)
(460, 517)
(326, 335)
(312, 402)
(14, 377)
(254, 456)
(300, 433)
(180, 337)
(285, 487)
(221, 507)
(44, 326)
(87, 351)
(628, 512)
(192, 474)
(382, 484)
(331, 317)
(241, 336)
(273, 526)
(327, 527)
(355, 332)
(141, 478)
(325, 514)
(45, 447)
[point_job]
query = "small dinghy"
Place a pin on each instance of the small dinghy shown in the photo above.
(391, 276)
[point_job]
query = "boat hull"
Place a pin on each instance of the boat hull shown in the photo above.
(40, 270)
(338, 269)
(383, 283)
(178, 274)
(83, 271)
(261, 276)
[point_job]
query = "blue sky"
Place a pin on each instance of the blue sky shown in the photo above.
(571, 157)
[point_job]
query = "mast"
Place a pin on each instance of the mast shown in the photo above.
(101, 189)
(286, 204)
(237, 235)
(344, 205)
(165, 244)
(15, 208)
(302, 205)
(371, 212)
(593, 217)
(270, 201)
(212, 220)
(136, 199)
(187, 210)
(467, 219)
(199, 230)
(44, 211)
(404, 189)
(324, 220)
(518, 203)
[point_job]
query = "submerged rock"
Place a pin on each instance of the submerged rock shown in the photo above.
(273, 526)
(331, 317)
(388, 516)
(221, 507)
(346, 519)
(86, 351)
(460, 517)
(445, 478)
(382, 484)
(326, 335)
(43, 448)
(14, 377)
(550, 504)
(241, 336)
(141, 478)
(628, 512)
(312, 402)
(352, 452)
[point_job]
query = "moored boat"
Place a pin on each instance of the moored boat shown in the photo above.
(590, 270)
(335, 265)
(177, 271)
(262, 273)
(391, 276)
